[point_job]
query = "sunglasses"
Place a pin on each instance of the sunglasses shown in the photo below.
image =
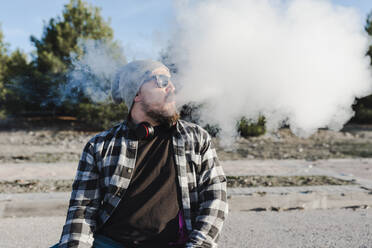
(162, 81)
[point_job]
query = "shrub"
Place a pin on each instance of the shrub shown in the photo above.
(247, 128)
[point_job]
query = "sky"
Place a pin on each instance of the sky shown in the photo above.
(142, 27)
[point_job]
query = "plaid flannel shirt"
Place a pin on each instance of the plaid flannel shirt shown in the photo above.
(105, 170)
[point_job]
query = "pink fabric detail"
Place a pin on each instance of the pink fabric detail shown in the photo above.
(182, 233)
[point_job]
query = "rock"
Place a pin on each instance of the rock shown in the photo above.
(348, 135)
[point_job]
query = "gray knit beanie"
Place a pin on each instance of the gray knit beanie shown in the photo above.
(129, 79)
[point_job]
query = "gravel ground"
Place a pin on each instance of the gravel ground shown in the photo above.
(354, 141)
(336, 228)
(324, 228)
(283, 181)
(54, 145)
(33, 186)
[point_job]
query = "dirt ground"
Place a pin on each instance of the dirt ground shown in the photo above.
(353, 141)
(51, 145)
(32, 186)
(54, 146)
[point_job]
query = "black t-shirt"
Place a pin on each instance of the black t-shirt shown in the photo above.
(149, 209)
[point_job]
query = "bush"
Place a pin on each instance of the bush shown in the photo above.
(363, 110)
(2, 115)
(247, 128)
(213, 130)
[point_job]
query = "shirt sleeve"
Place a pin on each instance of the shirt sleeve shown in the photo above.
(212, 200)
(84, 203)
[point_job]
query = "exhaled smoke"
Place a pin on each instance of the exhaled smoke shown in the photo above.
(93, 71)
(299, 62)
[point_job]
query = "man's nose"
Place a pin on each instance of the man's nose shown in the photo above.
(170, 87)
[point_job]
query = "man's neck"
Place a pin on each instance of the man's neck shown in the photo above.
(138, 116)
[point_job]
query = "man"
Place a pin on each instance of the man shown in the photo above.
(152, 181)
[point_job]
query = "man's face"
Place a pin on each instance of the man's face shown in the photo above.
(157, 100)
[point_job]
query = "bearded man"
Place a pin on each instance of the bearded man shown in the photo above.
(151, 181)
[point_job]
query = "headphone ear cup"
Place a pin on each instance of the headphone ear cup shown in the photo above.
(144, 130)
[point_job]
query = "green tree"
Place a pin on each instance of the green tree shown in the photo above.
(61, 35)
(59, 40)
(21, 81)
(368, 28)
(36, 86)
(13, 69)
(363, 106)
(3, 69)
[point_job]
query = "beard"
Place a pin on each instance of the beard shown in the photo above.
(168, 118)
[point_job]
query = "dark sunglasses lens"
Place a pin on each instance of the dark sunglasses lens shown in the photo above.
(163, 81)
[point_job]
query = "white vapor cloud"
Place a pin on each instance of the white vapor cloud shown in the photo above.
(299, 62)
(93, 72)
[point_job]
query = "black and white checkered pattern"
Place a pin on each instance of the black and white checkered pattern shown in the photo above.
(105, 170)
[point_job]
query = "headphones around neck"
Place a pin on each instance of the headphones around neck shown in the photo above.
(143, 130)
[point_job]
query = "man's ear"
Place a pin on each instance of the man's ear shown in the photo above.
(137, 98)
